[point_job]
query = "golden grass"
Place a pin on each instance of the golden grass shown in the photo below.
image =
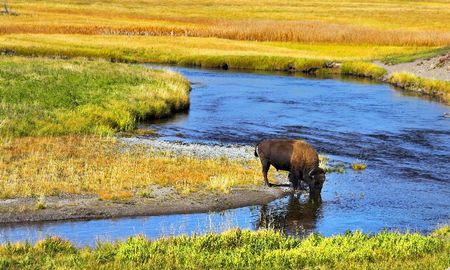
(350, 21)
(193, 50)
(433, 88)
(113, 171)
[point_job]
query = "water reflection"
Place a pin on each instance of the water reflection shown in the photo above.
(293, 215)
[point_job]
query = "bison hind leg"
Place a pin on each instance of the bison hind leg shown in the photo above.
(265, 168)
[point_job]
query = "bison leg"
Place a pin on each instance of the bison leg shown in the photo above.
(265, 168)
(294, 178)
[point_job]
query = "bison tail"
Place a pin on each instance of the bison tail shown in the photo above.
(256, 150)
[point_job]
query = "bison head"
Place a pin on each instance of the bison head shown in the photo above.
(318, 178)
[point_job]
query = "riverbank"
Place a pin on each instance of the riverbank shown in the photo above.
(240, 249)
(161, 201)
(428, 77)
(74, 177)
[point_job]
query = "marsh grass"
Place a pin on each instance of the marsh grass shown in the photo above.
(111, 170)
(55, 97)
(239, 249)
(433, 88)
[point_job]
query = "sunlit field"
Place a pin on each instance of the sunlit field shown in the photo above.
(326, 30)
(195, 50)
(376, 22)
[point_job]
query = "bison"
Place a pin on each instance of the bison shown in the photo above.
(297, 157)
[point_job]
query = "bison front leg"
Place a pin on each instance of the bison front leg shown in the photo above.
(294, 178)
(265, 169)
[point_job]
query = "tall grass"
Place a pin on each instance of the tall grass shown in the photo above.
(347, 21)
(267, 30)
(433, 88)
(237, 249)
(54, 97)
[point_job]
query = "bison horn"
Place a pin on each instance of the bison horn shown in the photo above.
(316, 170)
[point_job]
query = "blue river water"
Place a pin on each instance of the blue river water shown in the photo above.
(404, 140)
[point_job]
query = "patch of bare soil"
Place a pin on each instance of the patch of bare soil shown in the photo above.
(437, 68)
(162, 201)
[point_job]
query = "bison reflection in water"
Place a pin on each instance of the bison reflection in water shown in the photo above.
(297, 157)
(297, 216)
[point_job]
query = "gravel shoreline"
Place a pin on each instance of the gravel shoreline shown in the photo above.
(431, 68)
(196, 150)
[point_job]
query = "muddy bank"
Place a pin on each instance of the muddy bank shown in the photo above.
(165, 201)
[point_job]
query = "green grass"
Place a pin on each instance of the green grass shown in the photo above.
(363, 69)
(404, 58)
(54, 97)
(237, 249)
(434, 88)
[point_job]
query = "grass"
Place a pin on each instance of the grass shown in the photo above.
(240, 249)
(243, 34)
(46, 166)
(207, 51)
(113, 171)
(363, 69)
(40, 203)
(55, 97)
(434, 88)
(403, 58)
(318, 21)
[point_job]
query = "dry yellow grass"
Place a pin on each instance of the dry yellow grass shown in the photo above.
(195, 50)
(348, 21)
(104, 166)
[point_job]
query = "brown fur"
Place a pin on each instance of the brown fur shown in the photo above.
(296, 156)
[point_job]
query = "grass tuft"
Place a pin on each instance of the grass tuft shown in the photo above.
(359, 166)
(40, 204)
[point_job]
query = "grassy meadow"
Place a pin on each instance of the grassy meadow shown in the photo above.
(56, 97)
(237, 249)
